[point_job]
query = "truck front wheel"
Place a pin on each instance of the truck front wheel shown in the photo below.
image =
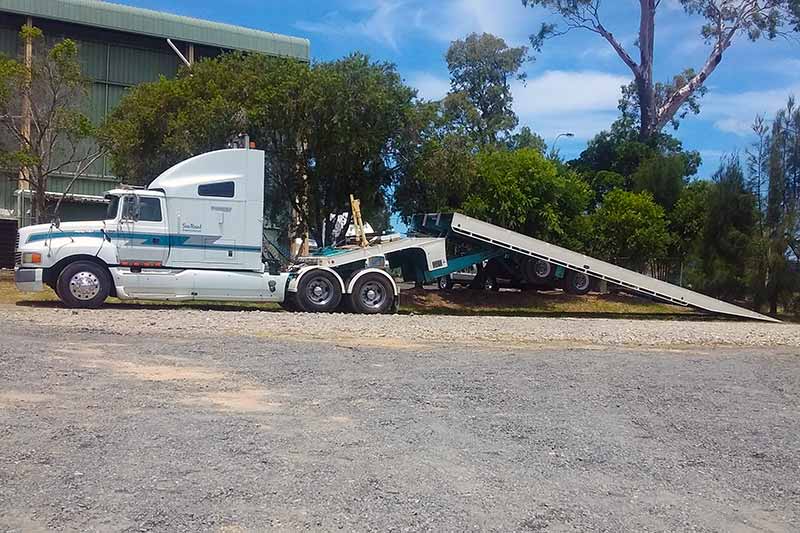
(372, 294)
(83, 284)
(319, 291)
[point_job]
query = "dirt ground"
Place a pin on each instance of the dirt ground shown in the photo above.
(191, 431)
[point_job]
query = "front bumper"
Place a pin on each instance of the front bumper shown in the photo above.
(29, 279)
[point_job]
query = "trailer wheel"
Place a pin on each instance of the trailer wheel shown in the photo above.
(538, 271)
(372, 294)
(83, 284)
(318, 292)
(444, 283)
(577, 282)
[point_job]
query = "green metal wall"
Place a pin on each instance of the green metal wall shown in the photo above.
(113, 70)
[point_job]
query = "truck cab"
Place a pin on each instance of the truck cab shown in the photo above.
(195, 232)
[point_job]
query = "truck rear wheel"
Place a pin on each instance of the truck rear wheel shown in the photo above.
(577, 282)
(372, 294)
(319, 291)
(83, 284)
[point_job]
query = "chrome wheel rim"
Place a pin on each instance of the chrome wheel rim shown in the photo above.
(320, 291)
(581, 281)
(373, 295)
(84, 286)
(442, 283)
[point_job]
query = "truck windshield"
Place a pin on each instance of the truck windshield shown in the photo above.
(113, 207)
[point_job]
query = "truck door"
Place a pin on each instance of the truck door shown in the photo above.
(142, 234)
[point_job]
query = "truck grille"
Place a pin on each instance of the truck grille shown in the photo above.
(17, 253)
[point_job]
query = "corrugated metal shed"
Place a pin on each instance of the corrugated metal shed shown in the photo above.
(157, 24)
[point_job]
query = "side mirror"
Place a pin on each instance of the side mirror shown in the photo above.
(132, 209)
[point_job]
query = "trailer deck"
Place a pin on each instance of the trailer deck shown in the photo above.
(458, 226)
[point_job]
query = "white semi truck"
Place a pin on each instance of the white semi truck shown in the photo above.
(196, 233)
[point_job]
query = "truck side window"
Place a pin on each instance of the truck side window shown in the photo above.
(150, 209)
(224, 189)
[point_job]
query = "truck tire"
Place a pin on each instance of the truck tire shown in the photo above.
(444, 283)
(289, 302)
(372, 294)
(83, 285)
(577, 282)
(538, 271)
(319, 291)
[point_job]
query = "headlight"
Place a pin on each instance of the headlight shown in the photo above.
(32, 257)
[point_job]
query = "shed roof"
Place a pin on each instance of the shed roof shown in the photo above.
(119, 17)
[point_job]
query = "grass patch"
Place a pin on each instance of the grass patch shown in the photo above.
(9, 295)
(532, 303)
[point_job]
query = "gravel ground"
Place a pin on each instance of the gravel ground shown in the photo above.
(400, 330)
(130, 420)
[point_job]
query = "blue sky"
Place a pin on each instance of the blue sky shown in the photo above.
(573, 85)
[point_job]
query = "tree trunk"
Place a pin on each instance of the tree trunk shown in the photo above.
(38, 205)
(644, 76)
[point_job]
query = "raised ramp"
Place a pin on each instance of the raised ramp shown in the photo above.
(522, 244)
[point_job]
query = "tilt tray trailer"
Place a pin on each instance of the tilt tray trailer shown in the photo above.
(195, 233)
(496, 242)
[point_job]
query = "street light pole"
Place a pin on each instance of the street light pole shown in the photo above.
(553, 152)
(565, 134)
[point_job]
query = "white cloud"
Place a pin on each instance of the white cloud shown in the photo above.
(429, 86)
(454, 19)
(581, 102)
(377, 21)
(391, 22)
(734, 112)
(558, 91)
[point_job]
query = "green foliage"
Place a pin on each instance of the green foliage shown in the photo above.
(329, 129)
(617, 159)
(51, 92)
(663, 177)
(526, 138)
(525, 192)
(727, 238)
(629, 229)
(481, 69)
(439, 179)
(602, 182)
(780, 156)
(688, 218)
